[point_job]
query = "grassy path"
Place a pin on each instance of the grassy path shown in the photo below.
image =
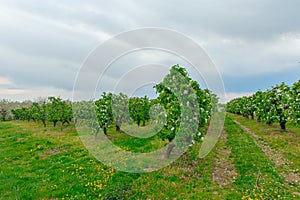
(224, 171)
(257, 174)
(282, 164)
(285, 143)
(283, 148)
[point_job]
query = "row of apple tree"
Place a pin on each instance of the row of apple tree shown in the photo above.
(181, 104)
(56, 110)
(53, 109)
(280, 104)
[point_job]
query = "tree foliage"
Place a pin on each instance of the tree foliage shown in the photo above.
(4, 109)
(59, 111)
(53, 109)
(39, 112)
(279, 104)
(180, 103)
(139, 110)
(120, 109)
(187, 106)
(104, 112)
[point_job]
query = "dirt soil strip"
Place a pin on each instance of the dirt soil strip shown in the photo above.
(224, 171)
(277, 158)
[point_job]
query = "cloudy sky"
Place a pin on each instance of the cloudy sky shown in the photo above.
(254, 43)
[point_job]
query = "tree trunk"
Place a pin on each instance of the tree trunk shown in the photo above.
(3, 113)
(44, 123)
(54, 123)
(105, 130)
(282, 126)
(61, 126)
(144, 123)
(97, 130)
(118, 128)
(169, 149)
(139, 122)
(258, 119)
(252, 116)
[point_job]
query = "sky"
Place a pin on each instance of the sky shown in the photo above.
(254, 44)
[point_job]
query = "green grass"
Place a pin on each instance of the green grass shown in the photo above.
(287, 142)
(135, 144)
(258, 177)
(188, 178)
(38, 163)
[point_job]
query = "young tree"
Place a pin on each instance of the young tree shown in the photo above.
(103, 112)
(180, 97)
(39, 112)
(258, 107)
(54, 109)
(279, 98)
(23, 113)
(4, 109)
(16, 114)
(59, 111)
(83, 111)
(139, 109)
(294, 103)
(120, 109)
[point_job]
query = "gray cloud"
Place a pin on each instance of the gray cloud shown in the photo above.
(242, 19)
(43, 44)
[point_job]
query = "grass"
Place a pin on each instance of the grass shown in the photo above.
(286, 143)
(257, 174)
(38, 163)
(188, 178)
